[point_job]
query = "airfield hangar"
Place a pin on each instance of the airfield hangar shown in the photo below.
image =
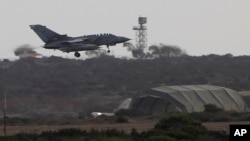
(187, 99)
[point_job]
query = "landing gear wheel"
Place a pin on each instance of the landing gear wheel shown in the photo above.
(77, 54)
(108, 49)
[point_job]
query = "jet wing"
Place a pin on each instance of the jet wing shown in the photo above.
(78, 40)
(79, 47)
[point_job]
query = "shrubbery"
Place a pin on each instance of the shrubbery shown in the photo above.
(211, 108)
(174, 128)
(212, 113)
(181, 127)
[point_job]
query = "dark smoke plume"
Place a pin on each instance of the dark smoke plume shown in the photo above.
(25, 49)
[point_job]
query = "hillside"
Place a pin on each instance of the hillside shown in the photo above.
(54, 87)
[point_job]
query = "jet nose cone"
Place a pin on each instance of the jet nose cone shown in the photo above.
(125, 39)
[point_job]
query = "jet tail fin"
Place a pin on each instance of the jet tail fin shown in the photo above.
(46, 34)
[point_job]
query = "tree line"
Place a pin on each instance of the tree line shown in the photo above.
(106, 80)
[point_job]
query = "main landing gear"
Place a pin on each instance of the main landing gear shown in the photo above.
(77, 54)
(108, 48)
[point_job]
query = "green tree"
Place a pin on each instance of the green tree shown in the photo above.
(165, 51)
(180, 127)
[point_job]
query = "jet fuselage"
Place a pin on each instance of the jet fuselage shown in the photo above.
(64, 43)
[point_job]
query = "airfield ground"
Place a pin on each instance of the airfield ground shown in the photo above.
(142, 125)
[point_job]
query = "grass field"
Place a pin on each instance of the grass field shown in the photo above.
(139, 125)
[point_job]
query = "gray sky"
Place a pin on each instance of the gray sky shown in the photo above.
(198, 26)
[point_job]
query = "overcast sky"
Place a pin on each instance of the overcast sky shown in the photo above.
(200, 27)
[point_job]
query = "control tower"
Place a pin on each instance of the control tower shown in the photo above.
(141, 33)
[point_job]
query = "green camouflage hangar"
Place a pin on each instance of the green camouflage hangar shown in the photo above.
(187, 99)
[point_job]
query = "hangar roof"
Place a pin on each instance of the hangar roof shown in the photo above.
(192, 98)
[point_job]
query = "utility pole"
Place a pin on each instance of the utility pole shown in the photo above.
(4, 115)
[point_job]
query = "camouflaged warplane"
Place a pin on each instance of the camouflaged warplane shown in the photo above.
(68, 44)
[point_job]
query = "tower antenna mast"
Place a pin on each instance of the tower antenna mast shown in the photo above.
(141, 33)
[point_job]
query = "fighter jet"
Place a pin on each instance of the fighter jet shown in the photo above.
(68, 44)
